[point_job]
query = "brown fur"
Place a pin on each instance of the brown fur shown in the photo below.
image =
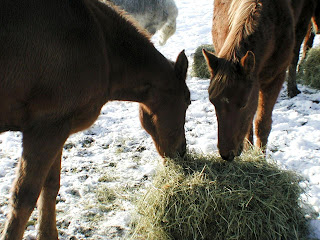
(305, 11)
(60, 62)
(254, 49)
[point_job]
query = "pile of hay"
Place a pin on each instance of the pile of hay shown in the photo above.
(309, 69)
(199, 66)
(207, 198)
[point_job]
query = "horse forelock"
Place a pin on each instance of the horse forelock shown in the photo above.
(221, 79)
(243, 18)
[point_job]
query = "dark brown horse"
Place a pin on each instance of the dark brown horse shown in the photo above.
(60, 62)
(254, 40)
(305, 13)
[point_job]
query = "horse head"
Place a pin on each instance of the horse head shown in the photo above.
(230, 92)
(163, 113)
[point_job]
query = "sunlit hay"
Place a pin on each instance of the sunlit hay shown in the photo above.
(204, 197)
(309, 69)
(199, 66)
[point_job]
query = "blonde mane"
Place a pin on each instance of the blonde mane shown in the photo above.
(243, 16)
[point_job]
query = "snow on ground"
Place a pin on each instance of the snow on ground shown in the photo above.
(105, 164)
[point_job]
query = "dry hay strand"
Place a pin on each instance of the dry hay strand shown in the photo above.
(204, 197)
(309, 69)
(199, 65)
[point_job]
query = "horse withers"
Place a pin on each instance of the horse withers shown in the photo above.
(152, 15)
(60, 62)
(254, 40)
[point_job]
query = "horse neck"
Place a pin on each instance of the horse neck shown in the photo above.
(130, 81)
(134, 63)
(242, 22)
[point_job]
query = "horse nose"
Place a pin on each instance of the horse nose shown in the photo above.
(228, 157)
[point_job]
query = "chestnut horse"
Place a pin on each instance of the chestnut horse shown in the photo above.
(254, 40)
(60, 62)
(305, 12)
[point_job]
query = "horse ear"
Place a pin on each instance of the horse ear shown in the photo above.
(181, 66)
(211, 59)
(248, 62)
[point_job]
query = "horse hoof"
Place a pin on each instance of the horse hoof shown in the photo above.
(293, 92)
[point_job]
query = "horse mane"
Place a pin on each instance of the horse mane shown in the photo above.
(136, 50)
(124, 15)
(243, 17)
(130, 42)
(134, 6)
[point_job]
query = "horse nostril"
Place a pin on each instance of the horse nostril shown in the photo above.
(228, 157)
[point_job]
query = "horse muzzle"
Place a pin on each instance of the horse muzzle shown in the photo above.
(230, 155)
(178, 152)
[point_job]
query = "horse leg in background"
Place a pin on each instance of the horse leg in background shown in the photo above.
(300, 33)
(292, 78)
(307, 44)
(308, 41)
(248, 141)
(169, 28)
(41, 146)
(167, 31)
(267, 98)
(292, 71)
(47, 202)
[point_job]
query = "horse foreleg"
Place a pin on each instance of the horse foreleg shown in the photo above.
(292, 81)
(292, 72)
(249, 138)
(307, 45)
(267, 98)
(301, 30)
(41, 146)
(168, 29)
(307, 42)
(47, 202)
